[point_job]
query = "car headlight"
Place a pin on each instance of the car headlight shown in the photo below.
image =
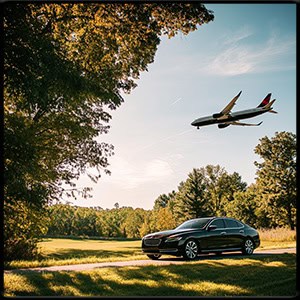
(173, 238)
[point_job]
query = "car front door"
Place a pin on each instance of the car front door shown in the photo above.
(216, 235)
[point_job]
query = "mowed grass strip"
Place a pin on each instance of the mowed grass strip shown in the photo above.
(265, 275)
(58, 252)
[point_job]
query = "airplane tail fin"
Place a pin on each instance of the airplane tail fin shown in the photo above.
(268, 106)
(265, 101)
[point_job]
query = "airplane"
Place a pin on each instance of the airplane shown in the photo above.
(226, 117)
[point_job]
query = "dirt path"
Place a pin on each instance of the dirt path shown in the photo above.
(161, 261)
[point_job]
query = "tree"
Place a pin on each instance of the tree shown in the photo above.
(19, 235)
(65, 66)
(164, 219)
(133, 222)
(164, 200)
(221, 187)
(191, 198)
(277, 177)
(244, 207)
(61, 219)
(206, 192)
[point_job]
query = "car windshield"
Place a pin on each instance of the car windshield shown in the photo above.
(196, 223)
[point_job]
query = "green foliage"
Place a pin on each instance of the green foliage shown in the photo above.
(191, 201)
(65, 66)
(245, 206)
(23, 224)
(277, 178)
(206, 192)
(164, 200)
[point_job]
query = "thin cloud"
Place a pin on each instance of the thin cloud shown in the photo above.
(129, 176)
(179, 99)
(241, 34)
(242, 59)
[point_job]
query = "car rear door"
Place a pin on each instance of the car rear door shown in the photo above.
(235, 233)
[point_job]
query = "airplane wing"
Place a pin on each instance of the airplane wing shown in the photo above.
(226, 124)
(244, 124)
(229, 107)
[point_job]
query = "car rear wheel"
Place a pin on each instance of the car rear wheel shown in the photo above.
(190, 249)
(248, 247)
(154, 256)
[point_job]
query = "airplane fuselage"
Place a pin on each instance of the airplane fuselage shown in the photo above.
(235, 116)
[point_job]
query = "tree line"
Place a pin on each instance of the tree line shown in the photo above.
(207, 191)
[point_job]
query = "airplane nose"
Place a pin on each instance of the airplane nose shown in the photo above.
(193, 123)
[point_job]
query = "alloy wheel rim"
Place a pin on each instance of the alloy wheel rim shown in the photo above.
(191, 249)
(249, 246)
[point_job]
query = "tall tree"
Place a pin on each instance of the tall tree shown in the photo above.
(277, 177)
(245, 206)
(206, 192)
(191, 198)
(164, 200)
(65, 66)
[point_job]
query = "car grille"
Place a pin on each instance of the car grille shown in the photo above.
(152, 242)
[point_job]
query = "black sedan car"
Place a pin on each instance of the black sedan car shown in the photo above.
(202, 235)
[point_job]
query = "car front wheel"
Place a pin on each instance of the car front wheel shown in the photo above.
(190, 249)
(154, 256)
(248, 247)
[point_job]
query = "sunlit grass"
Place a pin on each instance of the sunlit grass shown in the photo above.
(70, 251)
(272, 275)
(61, 251)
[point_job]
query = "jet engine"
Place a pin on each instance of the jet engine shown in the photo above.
(223, 125)
(218, 115)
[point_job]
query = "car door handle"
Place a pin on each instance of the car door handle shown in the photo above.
(223, 233)
(241, 231)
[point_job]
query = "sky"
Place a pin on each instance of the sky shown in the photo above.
(249, 48)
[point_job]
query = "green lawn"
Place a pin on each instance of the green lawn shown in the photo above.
(259, 275)
(78, 251)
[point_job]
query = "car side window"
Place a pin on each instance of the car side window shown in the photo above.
(231, 223)
(240, 224)
(219, 223)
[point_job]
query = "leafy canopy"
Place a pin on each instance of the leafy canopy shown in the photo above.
(65, 66)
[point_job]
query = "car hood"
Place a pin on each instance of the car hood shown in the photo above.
(161, 234)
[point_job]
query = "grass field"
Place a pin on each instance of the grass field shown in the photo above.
(258, 275)
(75, 251)
(62, 251)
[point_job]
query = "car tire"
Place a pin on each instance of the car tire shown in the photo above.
(190, 250)
(154, 256)
(248, 247)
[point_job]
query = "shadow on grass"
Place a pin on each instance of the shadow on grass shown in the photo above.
(272, 275)
(78, 253)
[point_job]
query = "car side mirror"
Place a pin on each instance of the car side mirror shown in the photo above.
(212, 227)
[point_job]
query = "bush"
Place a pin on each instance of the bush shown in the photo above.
(22, 225)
